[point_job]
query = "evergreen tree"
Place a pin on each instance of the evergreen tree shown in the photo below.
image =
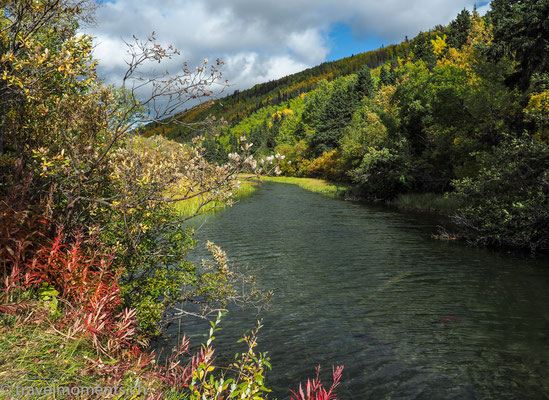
(521, 28)
(210, 150)
(392, 75)
(334, 118)
(364, 86)
(272, 134)
(258, 137)
(315, 104)
(423, 50)
(222, 154)
(384, 77)
(233, 142)
(459, 29)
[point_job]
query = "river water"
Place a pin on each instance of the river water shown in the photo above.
(368, 288)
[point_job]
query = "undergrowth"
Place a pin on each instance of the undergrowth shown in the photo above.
(432, 202)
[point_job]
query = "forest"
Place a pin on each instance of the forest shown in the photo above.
(97, 184)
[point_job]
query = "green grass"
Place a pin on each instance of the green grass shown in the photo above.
(432, 202)
(37, 356)
(189, 207)
(313, 185)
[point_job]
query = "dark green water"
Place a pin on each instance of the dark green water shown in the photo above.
(408, 316)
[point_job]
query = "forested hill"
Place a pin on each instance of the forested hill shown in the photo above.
(241, 104)
(460, 110)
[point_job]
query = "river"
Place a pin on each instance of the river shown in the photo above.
(368, 288)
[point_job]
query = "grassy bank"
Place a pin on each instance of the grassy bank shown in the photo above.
(313, 185)
(190, 207)
(431, 202)
(36, 356)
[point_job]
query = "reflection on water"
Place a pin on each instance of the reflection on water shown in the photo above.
(408, 316)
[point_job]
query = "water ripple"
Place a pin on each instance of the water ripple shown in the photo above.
(409, 317)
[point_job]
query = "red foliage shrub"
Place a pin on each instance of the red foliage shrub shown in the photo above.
(21, 233)
(89, 286)
(85, 279)
(314, 390)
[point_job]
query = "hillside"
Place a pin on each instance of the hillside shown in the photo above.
(241, 104)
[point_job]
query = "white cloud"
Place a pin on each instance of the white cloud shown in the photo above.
(482, 10)
(308, 45)
(109, 52)
(248, 69)
(258, 40)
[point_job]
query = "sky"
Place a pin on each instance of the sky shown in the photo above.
(261, 40)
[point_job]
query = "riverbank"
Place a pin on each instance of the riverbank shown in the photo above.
(321, 186)
(423, 202)
(35, 356)
(427, 202)
(192, 206)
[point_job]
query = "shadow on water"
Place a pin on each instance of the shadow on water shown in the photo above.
(367, 287)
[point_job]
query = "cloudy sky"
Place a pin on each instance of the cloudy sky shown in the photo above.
(261, 40)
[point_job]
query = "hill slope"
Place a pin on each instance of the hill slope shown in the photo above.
(241, 104)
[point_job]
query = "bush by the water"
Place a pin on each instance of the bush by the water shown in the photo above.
(508, 202)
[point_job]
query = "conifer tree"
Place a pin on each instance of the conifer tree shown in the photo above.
(364, 84)
(334, 118)
(423, 50)
(384, 77)
(459, 29)
(521, 29)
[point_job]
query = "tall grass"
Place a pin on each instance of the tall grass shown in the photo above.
(313, 185)
(190, 207)
(432, 202)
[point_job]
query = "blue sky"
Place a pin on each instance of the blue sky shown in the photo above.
(343, 42)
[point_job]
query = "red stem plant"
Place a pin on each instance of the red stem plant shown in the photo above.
(314, 390)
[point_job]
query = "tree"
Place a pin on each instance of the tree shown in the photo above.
(422, 49)
(334, 118)
(507, 204)
(384, 76)
(364, 86)
(392, 74)
(364, 131)
(382, 174)
(316, 104)
(459, 28)
(521, 29)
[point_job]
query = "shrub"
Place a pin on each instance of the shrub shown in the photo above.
(382, 174)
(328, 166)
(314, 390)
(508, 202)
(296, 159)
